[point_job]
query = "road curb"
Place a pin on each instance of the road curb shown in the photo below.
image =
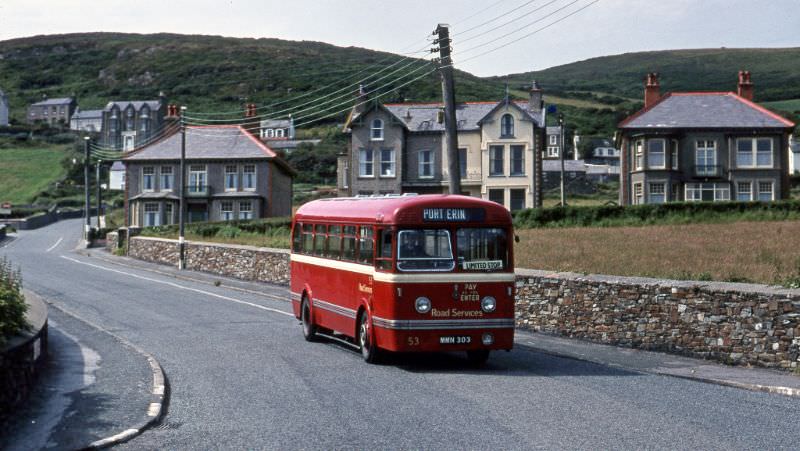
(159, 391)
(772, 389)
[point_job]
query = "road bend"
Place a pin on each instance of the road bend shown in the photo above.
(241, 376)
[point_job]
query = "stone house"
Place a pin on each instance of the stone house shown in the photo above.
(127, 125)
(703, 146)
(3, 109)
(399, 148)
(230, 175)
(52, 111)
(553, 144)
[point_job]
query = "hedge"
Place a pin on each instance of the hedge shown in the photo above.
(12, 302)
(667, 213)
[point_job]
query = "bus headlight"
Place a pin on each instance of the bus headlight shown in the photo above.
(423, 304)
(488, 304)
(487, 339)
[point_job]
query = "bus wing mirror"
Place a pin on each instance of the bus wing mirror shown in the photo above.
(516, 238)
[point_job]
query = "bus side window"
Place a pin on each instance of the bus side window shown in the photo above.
(320, 239)
(384, 257)
(297, 238)
(335, 242)
(308, 239)
(349, 243)
(366, 245)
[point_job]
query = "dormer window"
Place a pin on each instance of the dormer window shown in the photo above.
(279, 133)
(376, 132)
(507, 126)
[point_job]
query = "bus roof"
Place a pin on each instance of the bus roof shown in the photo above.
(392, 209)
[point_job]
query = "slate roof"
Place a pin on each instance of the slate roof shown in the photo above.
(58, 101)
(221, 142)
(88, 114)
(553, 130)
(704, 110)
(276, 123)
(423, 117)
(137, 104)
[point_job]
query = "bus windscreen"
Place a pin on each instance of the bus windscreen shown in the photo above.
(482, 249)
(424, 250)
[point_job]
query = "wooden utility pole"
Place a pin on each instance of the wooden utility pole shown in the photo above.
(561, 154)
(99, 198)
(449, 99)
(182, 190)
(87, 213)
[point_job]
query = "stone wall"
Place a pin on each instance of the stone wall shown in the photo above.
(731, 323)
(23, 357)
(242, 262)
(112, 241)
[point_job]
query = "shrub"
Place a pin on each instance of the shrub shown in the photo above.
(12, 302)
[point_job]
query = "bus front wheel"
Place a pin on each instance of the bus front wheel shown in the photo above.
(368, 349)
(309, 329)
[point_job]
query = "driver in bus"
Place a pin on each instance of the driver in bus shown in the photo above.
(414, 247)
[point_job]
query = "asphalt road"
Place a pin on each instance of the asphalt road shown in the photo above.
(241, 376)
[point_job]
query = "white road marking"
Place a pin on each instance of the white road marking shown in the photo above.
(175, 285)
(54, 246)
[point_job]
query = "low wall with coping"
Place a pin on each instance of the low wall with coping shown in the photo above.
(23, 357)
(729, 322)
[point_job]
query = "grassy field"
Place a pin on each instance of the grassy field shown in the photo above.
(762, 252)
(27, 171)
(784, 105)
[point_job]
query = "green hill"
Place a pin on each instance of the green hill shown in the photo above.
(207, 73)
(776, 73)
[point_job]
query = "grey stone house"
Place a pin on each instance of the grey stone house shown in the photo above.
(127, 125)
(52, 111)
(87, 121)
(399, 148)
(3, 109)
(703, 146)
(553, 144)
(230, 175)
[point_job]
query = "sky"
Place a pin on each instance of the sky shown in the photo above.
(606, 27)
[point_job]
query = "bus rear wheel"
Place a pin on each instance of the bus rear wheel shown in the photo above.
(368, 349)
(478, 357)
(309, 329)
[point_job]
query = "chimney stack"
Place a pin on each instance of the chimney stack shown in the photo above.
(251, 123)
(172, 112)
(652, 90)
(745, 85)
(536, 101)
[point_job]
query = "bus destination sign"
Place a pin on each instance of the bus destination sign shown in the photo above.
(453, 214)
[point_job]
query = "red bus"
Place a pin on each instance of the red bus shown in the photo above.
(405, 273)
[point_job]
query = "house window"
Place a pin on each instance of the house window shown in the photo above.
(498, 196)
(655, 154)
(552, 151)
(744, 191)
(507, 126)
(151, 214)
(166, 178)
(462, 161)
(638, 194)
(197, 179)
(639, 155)
(425, 164)
(249, 177)
(144, 126)
(129, 119)
(707, 192)
(231, 173)
(270, 133)
(517, 160)
(754, 152)
(226, 210)
(517, 199)
(658, 193)
(279, 133)
(245, 210)
(553, 140)
(387, 163)
(168, 219)
(376, 132)
(346, 175)
(765, 191)
(148, 178)
(673, 157)
(365, 163)
(496, 160)
(705, 157)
